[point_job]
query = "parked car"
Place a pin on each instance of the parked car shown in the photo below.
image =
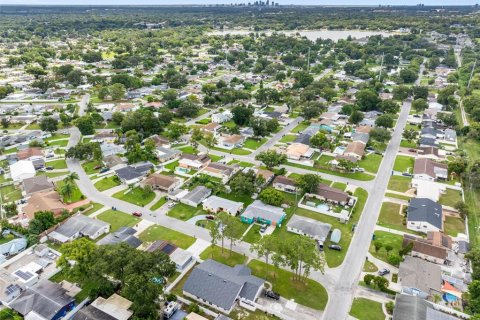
(320, 245)
(383, 272)
(104, 170)
(210, 217)
(412, 150)
(137, 214)
(272, 295)
(97, 167)
(335, 247)
(171, 205)
(49, 168)
(263, 228)
(407, 174)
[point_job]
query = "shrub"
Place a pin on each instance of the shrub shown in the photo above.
(390, 306)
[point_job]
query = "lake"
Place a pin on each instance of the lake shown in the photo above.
(313, 35)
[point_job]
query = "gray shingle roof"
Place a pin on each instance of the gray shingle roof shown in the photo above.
(35, 184)
(309, 226)
(222, 285)
(197, 194)
(303, 139)
(80, 223)
(423, 209)
(91, 313)
(133, 171)
(124, 234)
(409, 307)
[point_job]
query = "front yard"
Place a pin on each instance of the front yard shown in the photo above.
(118, 219)
(365, 309)
(371, 162)
(404, 164)
(90, 166)
(386, 239)
(399, 183)
(253, 144)
(74, 197)
(390, 217)
(184, 212)
(57, 164)
(107, 183)
(158, 232)
(227, 257)
(137, 196)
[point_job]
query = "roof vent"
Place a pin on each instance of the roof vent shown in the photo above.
(209, 274)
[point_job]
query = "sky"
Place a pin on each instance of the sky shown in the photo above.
(200, 2)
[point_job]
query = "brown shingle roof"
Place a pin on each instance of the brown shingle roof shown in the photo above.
(356, 147)
(43, 201)
(423, 247)
(160, 180)
(29, 152)
(333, 194)
(427, 166)
(284, 180)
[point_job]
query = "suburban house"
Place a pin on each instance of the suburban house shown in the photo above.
(263, 213)
(44, 201)
(30, 154)
(285, 184)
(419, 277)
(133, 173)
(220, 286)
(160, 141)
(408, 307)
(21, 170)
(309, 227)
(220, 170)
(429, 152)
(196, 196)
(109, 149)
(9, 287)
(360, 137)
(428, 142)
(12, 248)
(423, 249)
(79, 226)
(329, 194)
(428, 169)
(355, 149)
(114, 308)
(162, 182)
(36, 184)
(165, 154)
(211, 128)
(114, 162)
(107, 137)
(192, 162)
(424, 215)
(124, 234)
(216, 204)
(450, 135)
(44, 301)
(222, 117)
(299, 151)
(429, 132)
(267, 175)
(181, 258)
(231, 141)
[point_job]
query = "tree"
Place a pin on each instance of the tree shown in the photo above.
(5, 123)
(321, 141)
(48, 124)
(271, 158)
(176, 130)
(9, 314)
(85, 151)
(381, 282)
(380, 135)
(243, 183)
(117, 91)
(389, 106)
(241, 114)
(85, 125)
(408, 75)
(384, 120)
(420, 92)
(264, 248)
(42, 221)
(75, 77)
(65, 119)
(367, 100)
(43, 83)
(308, 183)
(214, 230)
(356, 117)
(377, 245)
(117, 118)
(312, 110)
(196, 137)
(368, 278)
(71, 177)
(401, 92)
(271, 196)
(419, 105)
(210, 141)
(388, 248)
(259, 127)
(410, 134)
(67, 190)
(233, 230)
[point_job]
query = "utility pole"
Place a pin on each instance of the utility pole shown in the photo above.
(471, 74)
(381, 68)
(308, 60)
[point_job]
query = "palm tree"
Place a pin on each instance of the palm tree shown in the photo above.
(67, 190)
(71, 177)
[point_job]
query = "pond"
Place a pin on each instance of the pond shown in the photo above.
(312, 35)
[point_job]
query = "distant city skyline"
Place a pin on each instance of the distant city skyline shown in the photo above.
(213, 2)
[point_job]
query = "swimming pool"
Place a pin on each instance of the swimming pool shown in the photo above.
(339, 150)
(323, 207)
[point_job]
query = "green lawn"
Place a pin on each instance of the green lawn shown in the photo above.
(184, 212)
(300, 127)
(253, 235)
(118, 219)
(399, 183)
(171, 166)
(453, 226)
(57, 136)
(158, 232)
(58, 143)
(386, 238)
(10, 193)
(254, 144)
(357, 175)
(237, 151)
(107, 183)
(159, 203)
(451, 197)
(136, 196)
(89, 166)
(406, 144)
(215, 158)
(288, 138)
(369, 266)
(365, 309)
(404, 164)
(398, 196)
(57, 164)
(11, 150)
(227, 257)
(390, 216)
(339, 185)
(188, 149)
(247, 200)
(371, 162)
(52, 174)
(76, 193)
(306, 292)
(96, 207)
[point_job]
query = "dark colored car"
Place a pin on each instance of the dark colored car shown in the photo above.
(272, 295)
(210, 217)
(137, 214)
(383, 272)
(49, 168)
(104, 170)
(335, 247)
(97, 167)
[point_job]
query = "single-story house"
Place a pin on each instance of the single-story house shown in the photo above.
(263, 213)
(424, 215)
(220, 170)
(165, 154)
(355, 149)
(419, 277)
(180, 257)
(44, 201)
(114, 162)
(285, 184)
(222, 117)
(162, 182)
(220, 286)
(428, 142)
(189, 162)
(267, 175)
(79, 226)
(37, 184)
(231, 141)
(423, 249)
(109, 149)
(22, 170)
(309, 227)
(12, 248)
(408, 307)
(450, 135)
(113, 308)
(10, 288)
(329, 194)
(196, 196)
(428, 169)
(45, 300)
(429, 152)
(160, 141)
(360, 136)
(124, 234)
(30, 153)
(133, 173)
(216, 204)
(299, 151)
(429, 132)
(105, 137)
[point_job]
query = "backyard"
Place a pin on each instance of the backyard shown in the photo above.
(10, 193)
(137, 195)
(451, 197)
(118, 219)
(453, 226)
(158, 232)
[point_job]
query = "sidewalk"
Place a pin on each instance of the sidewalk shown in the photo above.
(400, 233)
(112, 191)
(198, 247)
